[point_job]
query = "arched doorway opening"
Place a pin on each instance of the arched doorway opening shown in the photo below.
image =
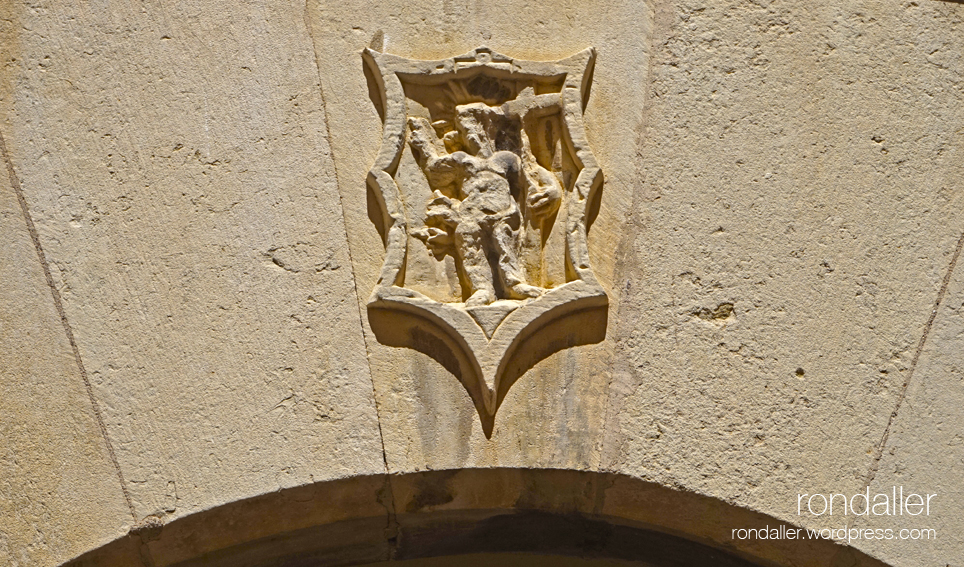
(456, 517)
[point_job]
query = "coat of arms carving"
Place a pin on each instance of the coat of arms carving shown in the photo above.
(486, 187)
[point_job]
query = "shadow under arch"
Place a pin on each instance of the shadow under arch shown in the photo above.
(379, 518)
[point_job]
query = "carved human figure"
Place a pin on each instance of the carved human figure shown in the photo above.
(475, 211)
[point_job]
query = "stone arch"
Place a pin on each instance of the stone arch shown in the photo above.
(375, 518)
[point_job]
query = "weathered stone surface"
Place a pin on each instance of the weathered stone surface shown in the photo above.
(801, 182)
(59, 491)
(175, 161)
(924, 450)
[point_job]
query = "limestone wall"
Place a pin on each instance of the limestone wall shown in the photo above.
(191, 242)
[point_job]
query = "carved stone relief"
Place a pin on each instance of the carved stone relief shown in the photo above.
(484, 190)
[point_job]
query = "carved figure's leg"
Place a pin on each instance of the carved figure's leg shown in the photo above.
(505, 237)
(469, 243)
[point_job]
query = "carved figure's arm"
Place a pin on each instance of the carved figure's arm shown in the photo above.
(544, 192)
(530, 105)
(441, 218)
(443, 211)
(440, 169)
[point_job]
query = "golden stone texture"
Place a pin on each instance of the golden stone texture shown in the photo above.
(188, 362)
